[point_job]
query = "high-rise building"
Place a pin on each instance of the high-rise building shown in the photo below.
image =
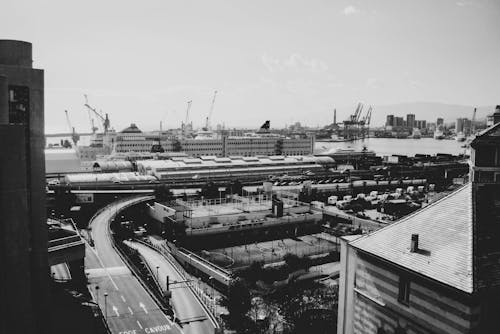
(467, 128)
(439, 122)
(420, 124)
(399, 121)
(410, 120)
(389, 120)
(24, 273)
(459, 125)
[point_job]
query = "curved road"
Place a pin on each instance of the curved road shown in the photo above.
(128, 307)
(188, 309)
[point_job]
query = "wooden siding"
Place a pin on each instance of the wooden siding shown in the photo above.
(429, 310)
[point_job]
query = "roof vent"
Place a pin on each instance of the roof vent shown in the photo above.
(414, 243)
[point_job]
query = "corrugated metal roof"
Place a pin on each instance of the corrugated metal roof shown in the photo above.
(445, 239)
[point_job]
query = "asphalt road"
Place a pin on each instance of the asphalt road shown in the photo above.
(192, 315)
(128, 307)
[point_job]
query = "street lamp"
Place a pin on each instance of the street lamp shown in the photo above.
(157, 277)
(97, 294)
(212, 294)
(105, 306)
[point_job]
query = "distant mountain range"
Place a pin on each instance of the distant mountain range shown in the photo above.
(429, 111)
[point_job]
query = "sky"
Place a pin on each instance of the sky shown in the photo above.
(283, 60)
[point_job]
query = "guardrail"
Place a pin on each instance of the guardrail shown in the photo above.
(208, 303)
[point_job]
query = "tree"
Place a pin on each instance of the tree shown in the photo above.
(238, 302)
(235, 187)
(210, 190)
(176, 146)
(163, 193)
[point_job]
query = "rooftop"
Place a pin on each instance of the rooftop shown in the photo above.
(445, 241)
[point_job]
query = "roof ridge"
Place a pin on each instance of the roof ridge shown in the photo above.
(405, 218)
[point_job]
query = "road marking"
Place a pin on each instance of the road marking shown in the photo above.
(157, 329)
(130, 310)
(115, 309)
(102, 265)
(123, 298)
(139, 323)
(143, 307)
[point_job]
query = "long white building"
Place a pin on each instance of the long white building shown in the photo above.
(132, 139)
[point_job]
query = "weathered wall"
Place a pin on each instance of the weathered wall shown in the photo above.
(431, 308)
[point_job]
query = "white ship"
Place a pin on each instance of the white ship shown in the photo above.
(460, 137)
(438, 134)
(204, 143)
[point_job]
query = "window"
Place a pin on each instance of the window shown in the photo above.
(404, 290)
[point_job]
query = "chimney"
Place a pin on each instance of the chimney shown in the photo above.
(496, 115)
(414, 243)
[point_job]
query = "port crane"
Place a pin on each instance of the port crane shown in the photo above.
(209, 117)
(352, 124)
(184, 127)
(365, 122)
(104, 119)
(75, 137)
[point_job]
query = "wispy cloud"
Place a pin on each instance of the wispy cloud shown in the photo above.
(467, 3)
(295, 62)
(373, 83)
(350, 10)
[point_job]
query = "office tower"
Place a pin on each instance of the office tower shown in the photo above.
(390, 120)
(439, 122)
(410, 120)
(24, 275)
(459, 125)
(399, 121)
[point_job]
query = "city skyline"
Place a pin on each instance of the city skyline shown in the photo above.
(288, 59)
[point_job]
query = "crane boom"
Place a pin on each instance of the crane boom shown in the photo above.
(104, 119)
(75, 137)
(187, 112)
(209, 117)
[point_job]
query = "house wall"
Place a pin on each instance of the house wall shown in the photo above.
(432, 308)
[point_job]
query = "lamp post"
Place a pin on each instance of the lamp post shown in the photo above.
(157, 277)
(97, 294)
(105, 306)
(212, 294)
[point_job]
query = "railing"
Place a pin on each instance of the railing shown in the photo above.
(208, 303)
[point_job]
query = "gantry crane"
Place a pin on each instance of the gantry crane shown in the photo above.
(104, 119)
(352, 124)
(365, 123)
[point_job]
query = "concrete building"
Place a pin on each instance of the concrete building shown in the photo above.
(459, 125)
(24, 278)
(389, 120)
(439, 122)
(399, 121)
(410, 121)
(420, 124)
(435, 271)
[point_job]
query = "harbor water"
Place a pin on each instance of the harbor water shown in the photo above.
(390, 146)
